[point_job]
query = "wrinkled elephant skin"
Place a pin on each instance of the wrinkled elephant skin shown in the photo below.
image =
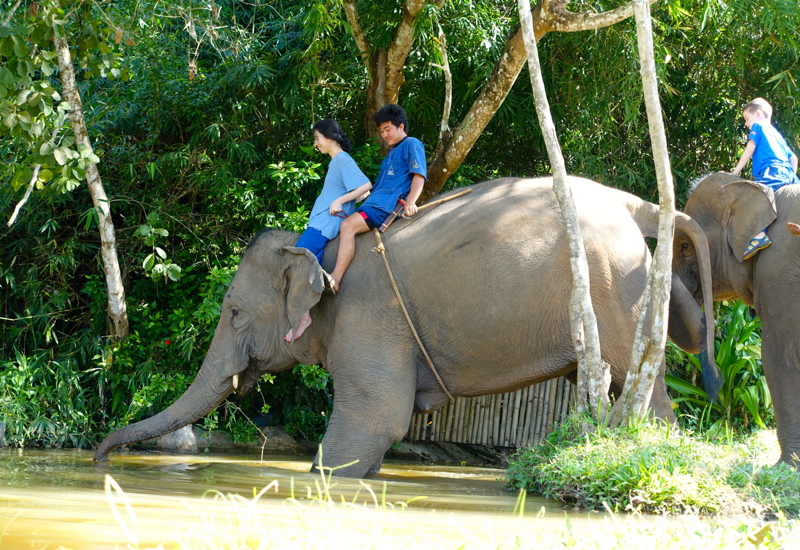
(486, 279)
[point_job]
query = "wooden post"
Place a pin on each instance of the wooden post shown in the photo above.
(463, 412)
(526, 436)
(496, 427)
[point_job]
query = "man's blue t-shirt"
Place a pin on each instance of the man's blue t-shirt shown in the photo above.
(397, 171)
(343, 176)
(771, 148)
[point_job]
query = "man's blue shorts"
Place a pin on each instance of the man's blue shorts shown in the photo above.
(776, 177)
(373, 217)
(313, 240)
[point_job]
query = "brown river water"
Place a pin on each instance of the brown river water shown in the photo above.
(54, 498)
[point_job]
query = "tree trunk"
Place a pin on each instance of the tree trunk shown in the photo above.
(385, 68)
(647, 356)
(548, 15)
(584, 326)
(385, 65)
(117, 311)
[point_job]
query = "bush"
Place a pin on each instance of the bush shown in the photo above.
(654, 468)
(744, 396)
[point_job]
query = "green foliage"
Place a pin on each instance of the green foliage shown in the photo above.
(32, 112)
(156, 264)
(654, 468)
(199, 151)
(304, 399)
(744, 395)
(47, 401)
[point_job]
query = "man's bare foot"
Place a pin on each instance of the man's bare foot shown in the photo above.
(794, 229)
(305, 322)
(335, 284)
(331, 284)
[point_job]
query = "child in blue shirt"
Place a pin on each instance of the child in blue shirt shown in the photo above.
(774, 163)
(344, 184)
(403, 173)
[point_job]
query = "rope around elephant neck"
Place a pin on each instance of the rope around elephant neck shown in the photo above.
(380, 249)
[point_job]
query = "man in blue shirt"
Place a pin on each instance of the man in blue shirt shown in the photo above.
(403, 173)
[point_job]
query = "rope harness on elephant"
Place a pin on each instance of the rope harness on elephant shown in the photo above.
(380, 249)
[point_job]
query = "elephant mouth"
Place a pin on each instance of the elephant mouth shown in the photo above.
(246, 379)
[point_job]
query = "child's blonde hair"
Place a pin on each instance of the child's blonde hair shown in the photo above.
(759, 104)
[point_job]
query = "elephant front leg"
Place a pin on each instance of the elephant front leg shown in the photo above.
(780, 357)
(371, 411)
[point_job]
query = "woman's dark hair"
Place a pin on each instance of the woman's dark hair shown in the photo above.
(391, 113)
(331, 130)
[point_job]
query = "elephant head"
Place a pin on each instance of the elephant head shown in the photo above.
(722, 214)
(730, 211)
(274, 285)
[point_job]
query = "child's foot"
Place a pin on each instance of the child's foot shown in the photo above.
(794, 229)
(759, 242)
(305, 322)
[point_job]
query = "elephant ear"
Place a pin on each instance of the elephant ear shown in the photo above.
(749, 208)
(305, 282)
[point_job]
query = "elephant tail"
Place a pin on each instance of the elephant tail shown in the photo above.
(712, 378)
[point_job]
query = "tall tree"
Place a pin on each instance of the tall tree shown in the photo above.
(648, 354)
(26, 107)
(585, 335)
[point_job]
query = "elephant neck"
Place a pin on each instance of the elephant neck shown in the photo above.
(740, 282)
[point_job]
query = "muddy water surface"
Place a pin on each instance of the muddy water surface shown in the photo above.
(56, 498)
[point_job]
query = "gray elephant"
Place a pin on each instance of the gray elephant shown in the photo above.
(486, 279)
(730, 211)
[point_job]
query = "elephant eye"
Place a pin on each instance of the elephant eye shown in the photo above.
(235, 312)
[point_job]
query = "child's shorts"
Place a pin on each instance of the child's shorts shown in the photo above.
(313, 240)
(777, 176)
(373, 217)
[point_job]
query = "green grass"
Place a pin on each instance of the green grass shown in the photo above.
(655, 468)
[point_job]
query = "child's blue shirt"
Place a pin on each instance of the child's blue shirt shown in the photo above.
(343, 176)
(771, 149)
(397, 172)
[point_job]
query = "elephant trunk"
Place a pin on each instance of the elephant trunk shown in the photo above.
(712, 379)
(200, 398)
(645, 214)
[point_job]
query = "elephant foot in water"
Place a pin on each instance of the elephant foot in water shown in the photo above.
(305, 322)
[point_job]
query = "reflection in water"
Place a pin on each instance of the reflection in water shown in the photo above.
(54, 498)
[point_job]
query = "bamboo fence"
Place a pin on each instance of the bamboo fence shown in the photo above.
(515, 419)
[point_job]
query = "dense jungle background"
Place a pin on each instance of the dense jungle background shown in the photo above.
(200, 115)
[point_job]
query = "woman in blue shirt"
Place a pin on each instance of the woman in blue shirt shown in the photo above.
(344, 183)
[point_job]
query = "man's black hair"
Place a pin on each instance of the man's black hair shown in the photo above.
(391, 113)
